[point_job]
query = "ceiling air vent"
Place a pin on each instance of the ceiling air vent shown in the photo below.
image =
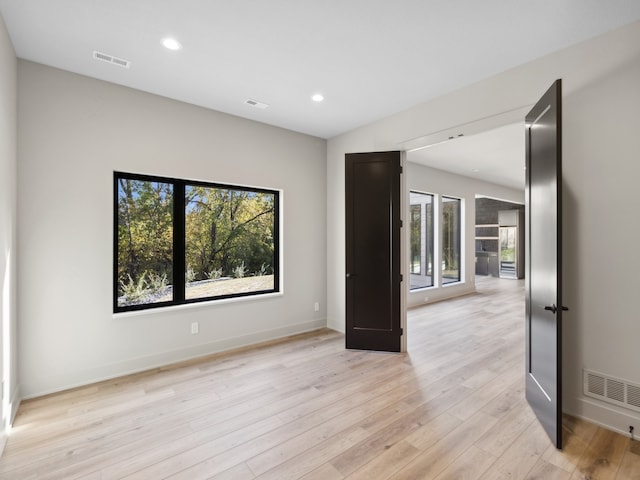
(256, 104)
(611, 390)
(103, 57)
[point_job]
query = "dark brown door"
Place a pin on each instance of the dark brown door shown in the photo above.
(544, 261)
(372, 182)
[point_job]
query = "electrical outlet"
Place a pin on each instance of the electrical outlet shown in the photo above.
(316, 306)
(194, 328)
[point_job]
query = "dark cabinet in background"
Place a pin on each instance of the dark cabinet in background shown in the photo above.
(487, 263)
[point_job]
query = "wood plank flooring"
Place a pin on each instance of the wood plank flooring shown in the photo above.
(305, 408)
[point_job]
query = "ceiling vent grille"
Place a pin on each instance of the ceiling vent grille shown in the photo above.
(256, 104)
(611, 390)
(103, 57)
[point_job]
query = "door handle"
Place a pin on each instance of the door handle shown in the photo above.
(554, 309)
(351, 275)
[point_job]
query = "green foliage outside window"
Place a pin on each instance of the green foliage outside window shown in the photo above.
(229, 231)
(450, 240)
(416, 239)
(145, 240)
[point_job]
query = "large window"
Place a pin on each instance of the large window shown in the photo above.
(416, 239)
(421, 240)
(450, 240)
(179, 241)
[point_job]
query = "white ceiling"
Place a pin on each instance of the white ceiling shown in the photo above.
(496, 156)
(369, 58)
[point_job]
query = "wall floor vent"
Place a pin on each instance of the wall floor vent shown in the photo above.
(611, 390)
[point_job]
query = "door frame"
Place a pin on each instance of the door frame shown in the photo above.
(404, 250)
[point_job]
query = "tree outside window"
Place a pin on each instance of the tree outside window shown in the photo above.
(179, 241)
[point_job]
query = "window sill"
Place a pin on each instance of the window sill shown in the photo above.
(422, 289)
(196, 305)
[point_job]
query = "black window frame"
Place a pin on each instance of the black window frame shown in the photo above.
(179, 241)
(457, 242)
(427, 238)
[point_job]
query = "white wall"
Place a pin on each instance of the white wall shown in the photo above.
(601, 171)
(8, 180)
(430, 180)
(73, 133)
(601, 231)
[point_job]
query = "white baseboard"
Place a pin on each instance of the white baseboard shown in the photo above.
(16, 398)
(140, 364)
(606, 416)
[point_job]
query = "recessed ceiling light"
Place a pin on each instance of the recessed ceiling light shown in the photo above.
(318, 97)
(171, 44)
(475, 170)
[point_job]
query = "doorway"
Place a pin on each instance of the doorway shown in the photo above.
(444, 180)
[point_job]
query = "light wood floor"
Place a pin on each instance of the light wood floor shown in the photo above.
(452, 408)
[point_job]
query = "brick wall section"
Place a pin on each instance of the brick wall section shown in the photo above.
(487, 209)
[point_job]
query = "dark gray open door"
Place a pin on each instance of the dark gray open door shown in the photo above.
(372, 198)
(544, 261)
